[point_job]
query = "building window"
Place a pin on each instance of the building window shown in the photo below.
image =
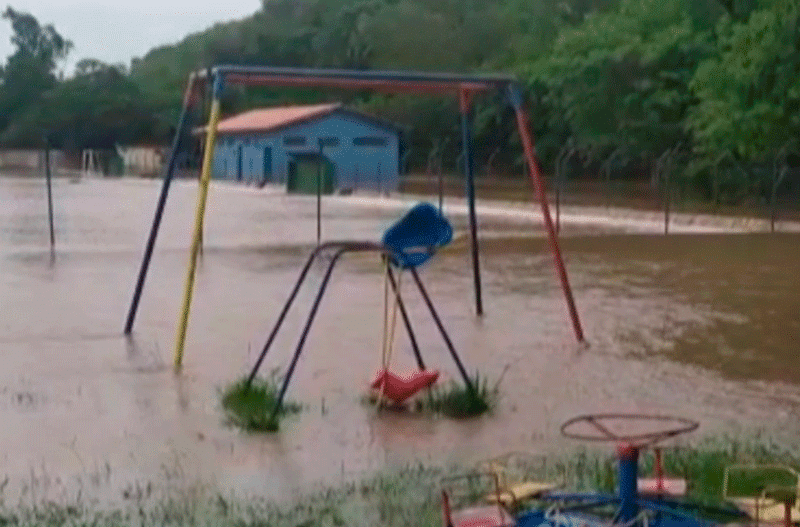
(294, 140)
(370, 141)
(329, 141)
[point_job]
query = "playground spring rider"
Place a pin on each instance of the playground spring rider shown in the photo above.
(409, 243)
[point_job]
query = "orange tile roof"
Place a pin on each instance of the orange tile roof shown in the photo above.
(266, 119)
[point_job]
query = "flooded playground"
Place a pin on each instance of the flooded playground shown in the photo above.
(700, 325)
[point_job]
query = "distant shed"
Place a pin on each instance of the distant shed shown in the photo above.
(287, 145)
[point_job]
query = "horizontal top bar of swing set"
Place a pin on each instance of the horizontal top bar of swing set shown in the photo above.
(358, 79)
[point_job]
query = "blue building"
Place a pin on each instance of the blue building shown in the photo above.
(292, 145)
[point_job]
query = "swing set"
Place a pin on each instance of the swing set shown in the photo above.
(464, 87)
(409, 243)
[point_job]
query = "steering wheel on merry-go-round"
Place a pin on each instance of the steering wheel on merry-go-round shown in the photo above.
(647, 431)
(601, 428)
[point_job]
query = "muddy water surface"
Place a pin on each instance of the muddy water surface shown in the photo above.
(702, 326)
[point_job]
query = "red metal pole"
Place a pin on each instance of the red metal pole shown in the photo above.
(390, 86)
(659, 471)
(538, 185)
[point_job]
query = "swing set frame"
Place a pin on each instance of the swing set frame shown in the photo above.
(338, 249)
(464, 87)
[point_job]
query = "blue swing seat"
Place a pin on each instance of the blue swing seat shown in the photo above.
(415, 237)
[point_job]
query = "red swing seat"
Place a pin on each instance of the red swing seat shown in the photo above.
(398, 389)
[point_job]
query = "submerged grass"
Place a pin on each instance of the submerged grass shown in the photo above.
(454, 399)
(251, 407)
(406, 496)
(458, 401)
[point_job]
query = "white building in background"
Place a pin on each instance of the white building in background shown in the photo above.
(142, 160)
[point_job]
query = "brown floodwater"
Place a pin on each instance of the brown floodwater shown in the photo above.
(705, 326)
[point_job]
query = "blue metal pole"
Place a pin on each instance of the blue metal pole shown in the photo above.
(628, 456)
(314, 308)
(184, 125)
(449, 343)
(469, 172)
(283, 313)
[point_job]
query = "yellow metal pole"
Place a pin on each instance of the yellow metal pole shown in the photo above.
(202, 196)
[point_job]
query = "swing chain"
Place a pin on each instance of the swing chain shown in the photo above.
(388, 329)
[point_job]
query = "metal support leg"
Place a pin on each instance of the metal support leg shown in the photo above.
(202, 198)
(469, 170)
(628, 474)
(49, 176)
(445, 336)
(184, 125)
(282, 314)
(406, 320)
(538, 184)
(306, 330)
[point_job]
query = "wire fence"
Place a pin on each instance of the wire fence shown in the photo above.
(660, 194)
(667, 196)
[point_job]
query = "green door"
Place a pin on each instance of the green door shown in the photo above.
(303, 174)
(266, 175)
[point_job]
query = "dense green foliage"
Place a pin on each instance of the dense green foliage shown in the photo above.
(714, 82)
(28, 73)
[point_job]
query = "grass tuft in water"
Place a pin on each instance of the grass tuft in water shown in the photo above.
(456, 400)
(251, 407)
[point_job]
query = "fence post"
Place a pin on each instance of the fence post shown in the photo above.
(319, 194)
(662, 183)
(558, 204)
(49, 176)
(565, 153)
(777, 179)
(667, 198)
(441, 187)
(772, 200)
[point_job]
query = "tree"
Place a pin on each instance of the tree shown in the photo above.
(749, 93)
(96, 109)
(344, 42)
(621, 78)
(41, 42)
(29, 72)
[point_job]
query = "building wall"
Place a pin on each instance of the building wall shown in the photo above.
(142, 159)
(29, 159)
(361, 167)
